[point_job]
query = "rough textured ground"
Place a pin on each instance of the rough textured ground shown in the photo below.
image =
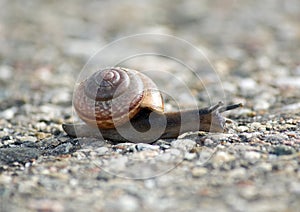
(255, 166)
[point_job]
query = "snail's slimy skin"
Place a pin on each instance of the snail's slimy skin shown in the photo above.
(206, 119)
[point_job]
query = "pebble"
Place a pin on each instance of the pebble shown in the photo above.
(41, 135)
(45, 205)
(237, 173)
(5, 179)
(208, 142)
(252, 156)
(264, 167)
(6, 73)
(255, 125)
(27, 138)
(8, 113)
(249, 193)
(295, 188)
(248, 86)
(261, 105)
(288, 82)
(18, 155)
(199, 171)
(276, 139)
(125, 203)
(190, 156)
(222, 156)
(102, 150)
(184, 144)
(283, 150)
(242, 129)
(291, 107)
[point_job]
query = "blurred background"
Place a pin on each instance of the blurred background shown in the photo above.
(252, 45)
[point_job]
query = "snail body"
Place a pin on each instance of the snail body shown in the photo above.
(120, 104)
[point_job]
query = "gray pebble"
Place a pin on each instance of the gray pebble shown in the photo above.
(101, 150)
(184, 144)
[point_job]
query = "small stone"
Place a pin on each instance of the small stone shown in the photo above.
(283, 150)
(222, 156)
(190, 156)
(104, 176)
(8, 113)
(184, 144)
(124, 203)
(249, 193)
(5, 179)
(295, 106)
(295, 188)
(27, 138)
(261, 105)
(265, 167)
(252, 156)
(199, 171)
(208, 142)
(41, 126)
(46, 205)
(255, 125)
(276, 139)
(6, 73)
(238, 173)
(288, 82)
(41, 135)
(9, 141)
(101, 150)
(242, 129)
(18, 155)
(248, 87)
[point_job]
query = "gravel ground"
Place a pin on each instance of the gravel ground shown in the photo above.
(253, 166)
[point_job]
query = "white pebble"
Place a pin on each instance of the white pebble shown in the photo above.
(8, 113)
(242, 129)
(223, 157)
(252, 156)
(5, 72)
(261, 105)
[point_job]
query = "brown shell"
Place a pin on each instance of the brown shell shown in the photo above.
(108, 98)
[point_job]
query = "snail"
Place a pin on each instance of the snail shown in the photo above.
(120, 104)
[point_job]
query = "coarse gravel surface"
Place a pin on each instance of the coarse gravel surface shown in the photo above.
(253, 47)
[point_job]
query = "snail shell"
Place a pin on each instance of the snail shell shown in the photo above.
(112, 96)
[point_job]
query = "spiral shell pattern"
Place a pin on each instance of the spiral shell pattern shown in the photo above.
(111, 97)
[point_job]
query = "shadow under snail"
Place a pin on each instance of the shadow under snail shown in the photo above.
(120, 105)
